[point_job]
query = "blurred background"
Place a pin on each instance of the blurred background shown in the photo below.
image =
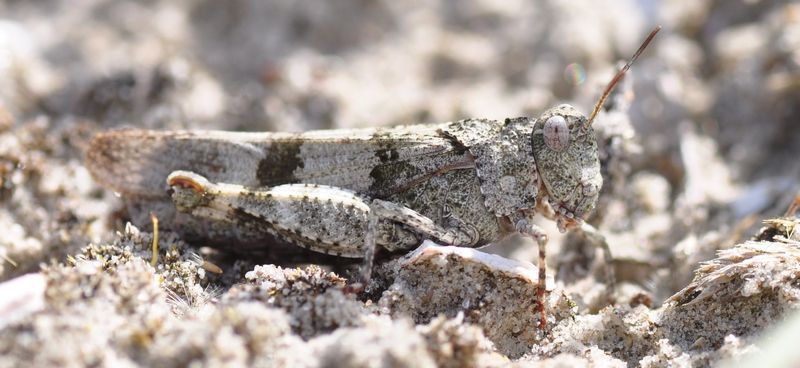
(700, 143)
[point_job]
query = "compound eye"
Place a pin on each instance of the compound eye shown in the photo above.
(556, 133)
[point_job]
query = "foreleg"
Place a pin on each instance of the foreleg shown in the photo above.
(591, 234)
(528, 228)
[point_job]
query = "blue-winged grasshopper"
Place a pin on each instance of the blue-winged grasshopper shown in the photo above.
(349, 192)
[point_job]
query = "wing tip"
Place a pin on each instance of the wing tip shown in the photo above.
(113, 157)
(100, 158)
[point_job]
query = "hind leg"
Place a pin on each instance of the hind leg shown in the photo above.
(322, 218)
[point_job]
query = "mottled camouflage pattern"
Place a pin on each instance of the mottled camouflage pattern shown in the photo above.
(465, 183)
(572, 176)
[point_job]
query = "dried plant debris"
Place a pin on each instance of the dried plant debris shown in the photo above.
(86, 310)
(783, 229)
(743, 290)
(179, 269)
(492, 292)
(316, 301)
(471, 309)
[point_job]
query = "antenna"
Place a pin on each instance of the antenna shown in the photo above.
(621, 74)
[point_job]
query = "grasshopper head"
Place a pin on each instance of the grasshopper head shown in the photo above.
(566, 155)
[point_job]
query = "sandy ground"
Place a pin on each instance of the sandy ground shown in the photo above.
(699, 149)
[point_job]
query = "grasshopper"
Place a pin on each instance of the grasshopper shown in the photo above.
(350, 192)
